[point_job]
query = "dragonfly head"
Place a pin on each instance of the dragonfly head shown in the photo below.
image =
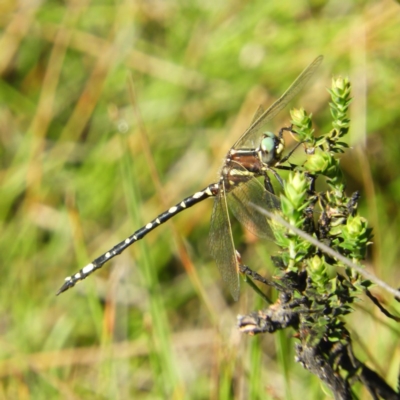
(271, 149)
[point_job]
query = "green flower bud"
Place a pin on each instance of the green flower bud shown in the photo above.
(319, 162)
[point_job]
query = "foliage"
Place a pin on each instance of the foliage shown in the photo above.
(78, 174)
(311, 300)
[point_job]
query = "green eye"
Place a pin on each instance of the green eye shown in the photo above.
(268, 143)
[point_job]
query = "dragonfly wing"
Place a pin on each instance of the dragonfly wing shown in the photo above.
(221, 244)
(239, 200)
(247, 140)
(257, 114)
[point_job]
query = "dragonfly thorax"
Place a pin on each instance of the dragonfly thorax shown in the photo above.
(271, 149)
(242, 165)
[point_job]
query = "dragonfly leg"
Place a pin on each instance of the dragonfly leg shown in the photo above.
(290, 167)
(245, 270)
(287, 129)
(278, 178)
(284, 159)
(267, 184)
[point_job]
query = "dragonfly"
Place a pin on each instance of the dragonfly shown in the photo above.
(255, 154)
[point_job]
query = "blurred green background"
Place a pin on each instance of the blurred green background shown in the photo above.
(84, 163)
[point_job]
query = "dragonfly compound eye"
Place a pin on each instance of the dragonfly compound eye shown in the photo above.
(271, 149)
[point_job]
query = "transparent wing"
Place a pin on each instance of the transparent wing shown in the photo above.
(221, 245)
(253, 133)
(239, 200)
(257, 114)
